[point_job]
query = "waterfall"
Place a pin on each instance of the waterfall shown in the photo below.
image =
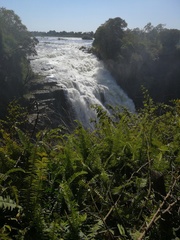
(82, 76)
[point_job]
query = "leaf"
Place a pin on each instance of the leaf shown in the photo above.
(7, 227)
(121, 230)
(117, 190)
(7, 203)
(75, 175)
(3, 177)
(14, 170)
(23, 138)
(164, 148)
(95, 229)
(141, 182)
(160, 145)
(156, 142)
(83, 217)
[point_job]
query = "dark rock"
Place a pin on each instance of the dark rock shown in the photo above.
(49, 106)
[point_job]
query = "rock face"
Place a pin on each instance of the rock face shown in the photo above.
(49, 105)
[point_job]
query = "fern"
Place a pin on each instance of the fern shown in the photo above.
(76, 175)
(91, 184)
(95, 229)
(9, 204)
(4, 232)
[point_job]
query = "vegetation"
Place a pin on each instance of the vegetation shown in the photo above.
(16, 44)
(108, 38)
(120, 181)
(53, 33)
(148, 57)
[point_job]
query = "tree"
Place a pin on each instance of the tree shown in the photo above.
(148, 27)
(108, 38)
(17, 36)
(170, 39)
(16, 43)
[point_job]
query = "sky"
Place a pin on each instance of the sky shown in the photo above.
(88, 15)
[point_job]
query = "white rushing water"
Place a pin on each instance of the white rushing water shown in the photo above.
(81, 74)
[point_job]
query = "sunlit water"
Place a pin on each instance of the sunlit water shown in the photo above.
(81, 74)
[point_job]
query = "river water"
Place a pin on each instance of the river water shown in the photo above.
(80, 74)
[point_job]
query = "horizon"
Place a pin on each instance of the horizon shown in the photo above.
(80, 16)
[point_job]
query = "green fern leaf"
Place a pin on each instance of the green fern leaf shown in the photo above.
(14, 170)
(7, 203)
(23, 138)
(75, 175)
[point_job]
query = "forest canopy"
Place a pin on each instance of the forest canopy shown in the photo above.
(148, 57)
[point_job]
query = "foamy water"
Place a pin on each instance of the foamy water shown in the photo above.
(80, 74)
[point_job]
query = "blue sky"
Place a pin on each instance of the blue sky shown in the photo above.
(81, 15)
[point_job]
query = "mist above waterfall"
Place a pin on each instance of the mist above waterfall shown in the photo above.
(82, 76)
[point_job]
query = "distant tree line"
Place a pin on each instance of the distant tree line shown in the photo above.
(148, 57)
(53, 33)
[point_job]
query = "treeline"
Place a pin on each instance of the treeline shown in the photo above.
(16, 44)
(53, 33)
(149, 57)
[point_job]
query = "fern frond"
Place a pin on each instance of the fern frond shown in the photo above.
(3, 177)
(24, 139)
(14, 170)
(75, 175)
(95, 229)
(4, 232)
(8, 203)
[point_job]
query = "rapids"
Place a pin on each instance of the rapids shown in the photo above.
(82, 76)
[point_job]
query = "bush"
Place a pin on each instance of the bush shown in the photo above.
(120, 181)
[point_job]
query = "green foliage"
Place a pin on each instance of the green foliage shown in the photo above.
(148, 57)
(119, 181)
(16, 44)
(7, 203)
(108, 38)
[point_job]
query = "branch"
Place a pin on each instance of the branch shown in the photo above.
(37, 118)
(111, 209)
(158, 213)
(101, 217)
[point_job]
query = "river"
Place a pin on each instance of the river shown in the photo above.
(83, 77)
